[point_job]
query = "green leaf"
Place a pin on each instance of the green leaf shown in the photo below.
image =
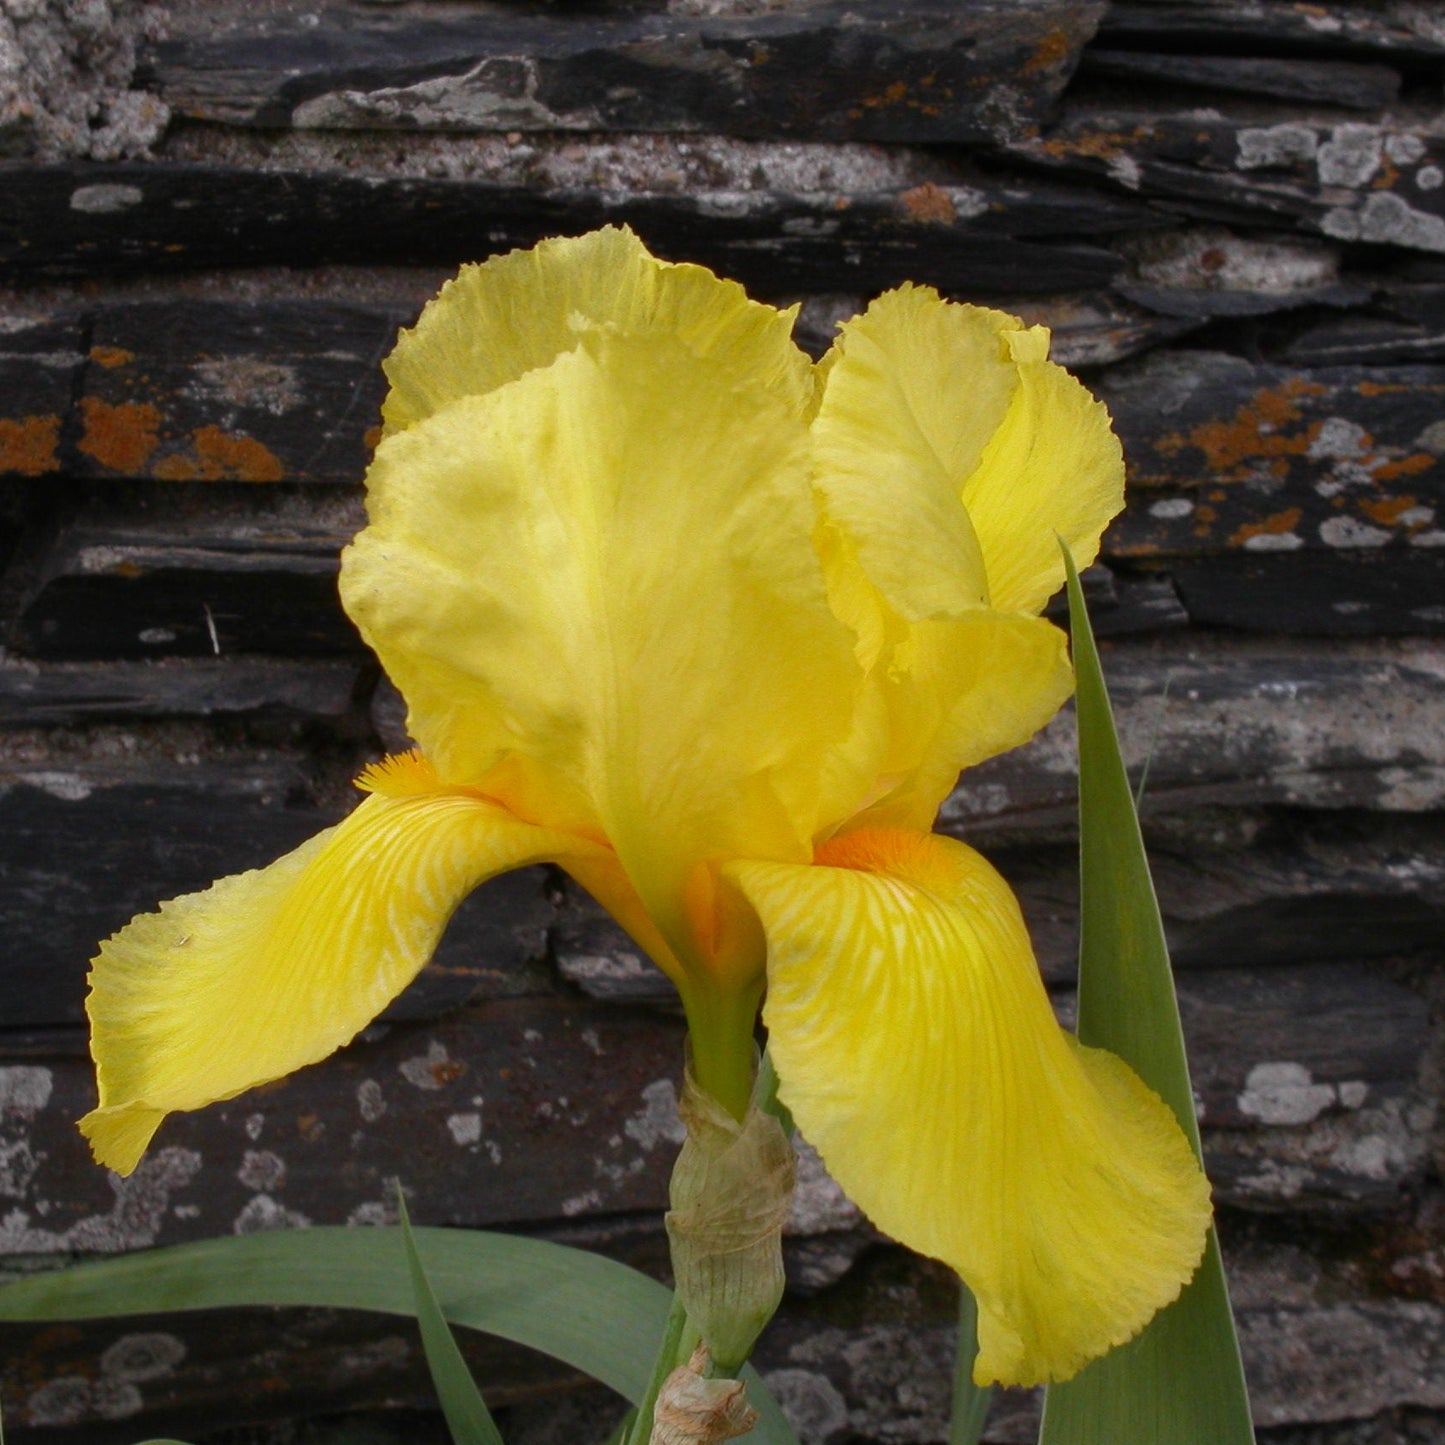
(467, 1416)
(970, 1402)
(594, 1314)
(1181, 1381)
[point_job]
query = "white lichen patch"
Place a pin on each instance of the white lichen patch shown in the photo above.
(249, 382)
(1351, 532)
(431, 1070)
(1339, 439)
(1273, 542)
(65, 1400)
(263, 1213)
(25, 1089)
(68, 787)
(1284, 1093)
(497, 93)
(252, 1125)
(370, 1101)
(262, 1170)
(105, 199)
(141, 1204)
(1276, 146)
(17, 1168)
(581, 1203)
(1351, 156)
(1171, 509)
(150, 1355)
(1404, 148)
(1386, 219)
(1429, 178)
(658, 1121)
(1125, 169)
(465, 1129)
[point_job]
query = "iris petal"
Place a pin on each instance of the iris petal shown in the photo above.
(918, 1051)
(1053, 470)
(265, 971)
(940, 695)
(606, 569)
(499, 320)
(913, 391)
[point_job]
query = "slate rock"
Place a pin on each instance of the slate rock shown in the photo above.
(196, 391)
(1323, 82)
(907, 70)
(1318, 724)
(189, 581)
(974, 234)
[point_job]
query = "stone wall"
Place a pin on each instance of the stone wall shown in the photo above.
(214, 214)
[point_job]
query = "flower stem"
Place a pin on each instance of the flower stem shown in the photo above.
(720, 1031)
(679, 1339)
(970, 1401)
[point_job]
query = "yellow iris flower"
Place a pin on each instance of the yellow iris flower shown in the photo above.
(715, 629)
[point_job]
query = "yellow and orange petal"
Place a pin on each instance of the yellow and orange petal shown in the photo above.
(606, 569)
(917, 1050)
(266, 971)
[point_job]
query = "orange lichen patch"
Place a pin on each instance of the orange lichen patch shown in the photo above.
(928, 203)
(892, 95)
(111, 356)
(121, 438)
(1204, 518)
(1386, 510)
(128, 570)
(1393, 388)
(217, 456)
(1274, 526)
(27, 446)
(1054, 48)
(371, 437)
(1410, 466)
(1102, 145)
(1256, 430)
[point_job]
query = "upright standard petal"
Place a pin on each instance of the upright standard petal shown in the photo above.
(952, 451)
(266, 971)
(1053, 469)
(917, 1049)
(597, 589)
(499, 320)
(940, 695)
(913, 391)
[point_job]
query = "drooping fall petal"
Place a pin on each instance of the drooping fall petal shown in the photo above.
(917, 1049)
(605, 570)
(266, 971)
(499, 320)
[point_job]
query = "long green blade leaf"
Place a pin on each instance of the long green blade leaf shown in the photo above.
(592, 1313)
(1181, 1381)
(467, 1416)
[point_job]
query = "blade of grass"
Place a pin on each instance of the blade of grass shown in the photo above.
(1181, 1381)
(467, 1416)
(970, 1402)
